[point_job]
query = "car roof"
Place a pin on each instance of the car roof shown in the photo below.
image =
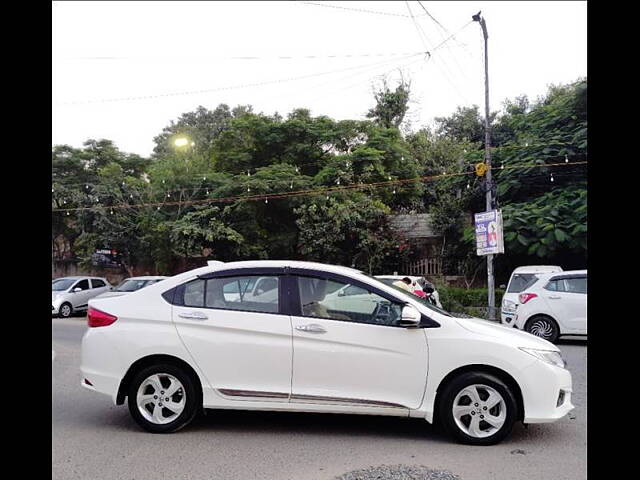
(564, 273)
(538, 269)
(72, 278)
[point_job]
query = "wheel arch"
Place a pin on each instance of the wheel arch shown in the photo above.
(152, 360)
(481, 368)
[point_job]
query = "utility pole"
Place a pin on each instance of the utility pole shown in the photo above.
(487, 158)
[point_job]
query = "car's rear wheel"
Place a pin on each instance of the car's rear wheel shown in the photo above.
(163, 398)
(65, 310)
(543, 327)
(478, 409)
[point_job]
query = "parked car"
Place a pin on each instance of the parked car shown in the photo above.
(132, 284)
(555, 304)
(183, 347)
(520, 279)
(418, 282)
(72, 294)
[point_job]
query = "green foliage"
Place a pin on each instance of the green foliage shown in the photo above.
(466, 300)
(301, 152)
(391, 106)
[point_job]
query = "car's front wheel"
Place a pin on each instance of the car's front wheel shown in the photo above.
(163, 398)
(478, 409)
(65, 310)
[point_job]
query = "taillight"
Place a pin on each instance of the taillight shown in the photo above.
(96, 318)
(525, 297)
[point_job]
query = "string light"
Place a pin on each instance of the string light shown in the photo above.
(394, 191)
(338, 182)
(248, 189)
(354, 186)
(266, 200)
(566, 159)
(552, 177)
(468, 185)
(291, 186)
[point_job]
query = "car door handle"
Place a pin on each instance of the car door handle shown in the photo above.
(311, 328)
(193, 315)
(554, 297)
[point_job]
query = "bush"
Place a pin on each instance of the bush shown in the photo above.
(471, 301)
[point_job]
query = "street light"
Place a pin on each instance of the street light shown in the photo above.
(181, 142)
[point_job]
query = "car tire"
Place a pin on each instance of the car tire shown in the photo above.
(156, 381)
(468, 412)
(544, 327)
(66, 310)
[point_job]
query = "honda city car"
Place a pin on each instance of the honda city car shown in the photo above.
(190, 342)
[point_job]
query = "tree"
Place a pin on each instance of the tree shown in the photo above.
(391, 106)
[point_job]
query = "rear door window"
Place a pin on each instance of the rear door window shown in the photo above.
(520, 281)
(576, 285)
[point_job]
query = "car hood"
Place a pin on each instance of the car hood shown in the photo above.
(111, 294)
(509, 335)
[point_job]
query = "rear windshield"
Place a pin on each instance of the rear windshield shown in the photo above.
(520, 281)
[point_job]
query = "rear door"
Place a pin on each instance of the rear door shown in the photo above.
(349, 354)
(567, 298)
(241, 341)
(98, 286)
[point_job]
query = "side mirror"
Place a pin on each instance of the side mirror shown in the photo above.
(411, 317)
(77, 289)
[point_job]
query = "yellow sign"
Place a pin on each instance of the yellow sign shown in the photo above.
(481, 169)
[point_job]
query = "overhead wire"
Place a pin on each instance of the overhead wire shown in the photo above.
(288, 194)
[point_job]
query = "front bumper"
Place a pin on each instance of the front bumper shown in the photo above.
(541, 385)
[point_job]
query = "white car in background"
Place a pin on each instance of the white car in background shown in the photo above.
(520, 279)
(72, 294)
(183, 347)
(555, 304)
(132, 284)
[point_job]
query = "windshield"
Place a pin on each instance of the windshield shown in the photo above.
(132, 285)
(61, 284)
(422, 301)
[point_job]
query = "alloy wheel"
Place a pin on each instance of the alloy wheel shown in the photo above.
(541, 328)
(65, 310)
(479, 411)
(161, 398)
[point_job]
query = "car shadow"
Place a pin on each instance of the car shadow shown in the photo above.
(572, 341)
(245, 422)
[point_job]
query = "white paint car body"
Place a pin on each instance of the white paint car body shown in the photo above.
(559, 296)
(520, 277)
(276, 361)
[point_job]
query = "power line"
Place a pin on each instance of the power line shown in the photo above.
(278, 57)
(288, 194)
(232, 87)
(361, 10)
(326, 162)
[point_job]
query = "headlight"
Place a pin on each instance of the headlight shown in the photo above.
(549, 356)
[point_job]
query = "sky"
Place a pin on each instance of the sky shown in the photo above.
(124, 70)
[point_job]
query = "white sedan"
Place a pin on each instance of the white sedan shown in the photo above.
(173, 348)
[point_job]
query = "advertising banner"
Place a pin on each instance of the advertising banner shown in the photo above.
(489, 238)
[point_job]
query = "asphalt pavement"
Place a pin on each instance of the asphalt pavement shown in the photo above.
(92, 438)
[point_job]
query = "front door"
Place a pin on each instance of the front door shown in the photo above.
(239, 339)
(80, 299)
(350, 352)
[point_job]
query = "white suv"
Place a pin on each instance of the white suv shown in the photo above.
(190, 342)
(553, 305)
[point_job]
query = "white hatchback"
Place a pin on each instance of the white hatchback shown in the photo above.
(189, 343)
(552, 305)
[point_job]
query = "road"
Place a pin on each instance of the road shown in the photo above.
(92, 438)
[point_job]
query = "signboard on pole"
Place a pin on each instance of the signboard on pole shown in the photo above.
(489, 238)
